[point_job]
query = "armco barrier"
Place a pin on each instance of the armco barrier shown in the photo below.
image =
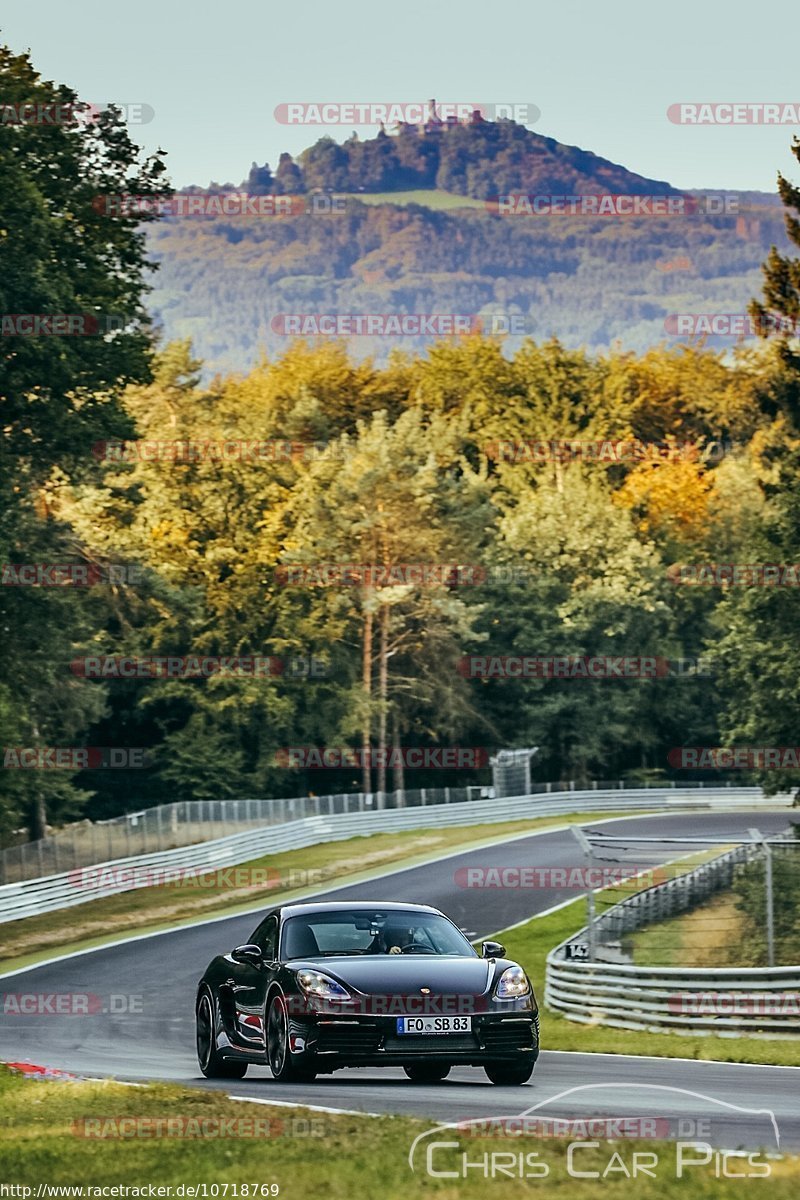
(187, 822)
(713, 1000)
(709, 999)
(36, 896)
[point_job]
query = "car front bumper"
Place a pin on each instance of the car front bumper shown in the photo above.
(334, 1041)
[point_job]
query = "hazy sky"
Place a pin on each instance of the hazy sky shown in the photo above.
(603, 75)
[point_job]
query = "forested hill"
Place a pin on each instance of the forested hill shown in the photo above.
(228, 282)
(480, 160)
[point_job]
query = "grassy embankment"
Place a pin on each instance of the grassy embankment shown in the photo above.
(43, 1127)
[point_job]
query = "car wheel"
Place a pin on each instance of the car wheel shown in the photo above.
(427, 1072)
(279, 1056)
(509, 1074)
(212, 1064)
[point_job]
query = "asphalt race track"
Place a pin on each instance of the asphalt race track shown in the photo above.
(151, 983)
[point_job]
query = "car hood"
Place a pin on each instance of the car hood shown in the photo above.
(404, 973)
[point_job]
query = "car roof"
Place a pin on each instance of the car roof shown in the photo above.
(323, 906)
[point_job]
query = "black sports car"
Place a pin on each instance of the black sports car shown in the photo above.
(330, 985)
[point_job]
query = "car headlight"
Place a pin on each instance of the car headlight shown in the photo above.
(512, 983)
(314, 983)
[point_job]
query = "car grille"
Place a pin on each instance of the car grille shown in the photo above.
(347, 1038)
(506, 1036)
(438, 1043)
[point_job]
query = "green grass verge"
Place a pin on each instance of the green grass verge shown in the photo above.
(25, 942)
(303, 1153)
(712, 935)
(530, 944)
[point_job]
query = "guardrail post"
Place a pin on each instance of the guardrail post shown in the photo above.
(759, 837)
(586, 846)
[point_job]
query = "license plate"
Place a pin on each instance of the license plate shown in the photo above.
(434, 1024)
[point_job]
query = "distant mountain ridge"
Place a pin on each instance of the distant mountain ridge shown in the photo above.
(474, 158)
(228, 282)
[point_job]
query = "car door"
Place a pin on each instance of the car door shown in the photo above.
(249, 983)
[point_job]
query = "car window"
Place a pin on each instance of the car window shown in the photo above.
(383, 932)
(266, 936)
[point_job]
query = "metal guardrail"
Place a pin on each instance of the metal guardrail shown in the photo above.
(33, 897)
(187, 822)
(765, 999)
(656, 998)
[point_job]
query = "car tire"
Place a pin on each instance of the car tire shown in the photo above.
(279, 1057)
(509, 1074)
(427, 1072)
(212, 1064)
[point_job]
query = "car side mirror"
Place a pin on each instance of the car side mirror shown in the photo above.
(248, 954)
(492, 950)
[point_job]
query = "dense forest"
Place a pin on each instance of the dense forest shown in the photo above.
(424, 462)
(597, 282)
(190, 502)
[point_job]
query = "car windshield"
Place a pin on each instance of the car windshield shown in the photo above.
(384, 931)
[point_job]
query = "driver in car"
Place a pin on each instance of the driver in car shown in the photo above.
(391, 940)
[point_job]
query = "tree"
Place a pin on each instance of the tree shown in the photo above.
(289, 177)
(66, 249)
(781, 299)
(581, 584)
(387, 498)
(759, 625)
